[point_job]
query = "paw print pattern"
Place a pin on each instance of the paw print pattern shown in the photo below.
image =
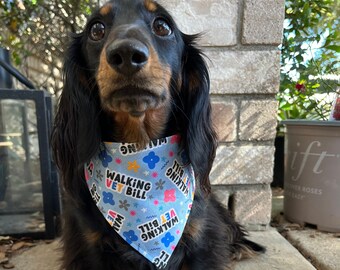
(108, 198)
(105, 158)
(130, 236)
(167, 239)
(170, 195)
(151, 159)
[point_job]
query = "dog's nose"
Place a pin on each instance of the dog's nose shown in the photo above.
(127, 56)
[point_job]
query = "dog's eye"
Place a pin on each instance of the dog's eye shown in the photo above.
(161, 27)
(97, 31)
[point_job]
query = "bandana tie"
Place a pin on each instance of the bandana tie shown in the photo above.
(145, 195)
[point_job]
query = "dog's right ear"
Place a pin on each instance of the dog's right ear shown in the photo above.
(76, 133)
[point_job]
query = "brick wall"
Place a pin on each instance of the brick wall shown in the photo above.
(241, 40)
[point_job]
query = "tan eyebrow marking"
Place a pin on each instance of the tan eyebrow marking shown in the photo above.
(105, 10)
(150, 5)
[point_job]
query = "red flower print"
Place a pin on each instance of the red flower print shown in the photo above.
(171, 154)
(87, 175)
(170, 195)
(118, 161)
(133, 213)
(154, 174)
(175, 139)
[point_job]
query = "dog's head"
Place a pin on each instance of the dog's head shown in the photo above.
(136, 50)
(132, 62)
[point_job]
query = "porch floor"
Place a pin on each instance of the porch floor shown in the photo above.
(293, 248)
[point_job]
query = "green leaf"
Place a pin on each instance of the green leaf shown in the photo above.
(335, 48)
(286, 107)
(299, 58)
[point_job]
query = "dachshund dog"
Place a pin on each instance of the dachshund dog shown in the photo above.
(133, 77)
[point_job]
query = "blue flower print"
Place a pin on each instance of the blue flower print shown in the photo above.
(105, 158)
(185, 158)
(108, 198)
(151, 159)
(130, 236)
(167, 239)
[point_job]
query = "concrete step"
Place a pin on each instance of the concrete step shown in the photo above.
(322, 249)
(280, 255)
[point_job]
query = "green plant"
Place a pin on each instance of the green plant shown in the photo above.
(309, 58)
(37, 31)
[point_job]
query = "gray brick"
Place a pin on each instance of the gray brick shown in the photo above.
(252, 207)
(215, 18)
(224, 120)
(263, 22)
(243, 165)
(258, 120)
(223, 194)
(244, 72)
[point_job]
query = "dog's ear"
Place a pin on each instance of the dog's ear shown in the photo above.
(200, 136)
(76, 134)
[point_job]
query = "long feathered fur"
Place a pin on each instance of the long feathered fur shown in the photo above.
(212, 239)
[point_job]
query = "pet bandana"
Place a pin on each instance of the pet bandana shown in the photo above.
(145, 195)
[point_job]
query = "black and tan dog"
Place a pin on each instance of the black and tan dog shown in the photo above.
(132, 76)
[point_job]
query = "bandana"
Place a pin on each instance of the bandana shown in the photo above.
(145, 195)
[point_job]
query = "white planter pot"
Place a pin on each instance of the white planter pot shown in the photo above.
(312, 174)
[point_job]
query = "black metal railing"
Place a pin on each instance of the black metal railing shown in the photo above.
(29, 190)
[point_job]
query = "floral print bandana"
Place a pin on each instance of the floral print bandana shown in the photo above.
(145, 195)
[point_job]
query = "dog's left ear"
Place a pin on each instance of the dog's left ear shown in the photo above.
(200, 137)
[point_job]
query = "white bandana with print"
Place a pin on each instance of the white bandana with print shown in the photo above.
(145, 195)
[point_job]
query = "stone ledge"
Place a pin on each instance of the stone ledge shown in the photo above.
(41, 257)
(280, 255)
(323, 249)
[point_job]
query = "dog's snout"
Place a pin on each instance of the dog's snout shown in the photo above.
(127, 56)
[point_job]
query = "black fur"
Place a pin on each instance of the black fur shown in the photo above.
(212, 239)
